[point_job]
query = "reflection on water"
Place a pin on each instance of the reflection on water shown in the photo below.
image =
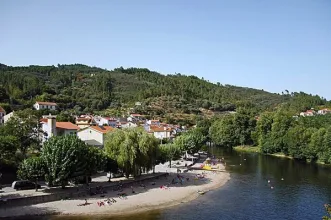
(295, 191)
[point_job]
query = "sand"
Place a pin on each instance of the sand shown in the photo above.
(144, 199)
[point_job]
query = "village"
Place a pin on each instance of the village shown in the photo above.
(93, 128)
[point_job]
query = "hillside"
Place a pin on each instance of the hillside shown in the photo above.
(87, 89)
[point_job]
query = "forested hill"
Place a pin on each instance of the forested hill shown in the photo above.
(87, 89)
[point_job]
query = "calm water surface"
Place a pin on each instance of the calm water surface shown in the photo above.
(248, 195)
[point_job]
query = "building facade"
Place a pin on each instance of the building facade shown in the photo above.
(45, 105)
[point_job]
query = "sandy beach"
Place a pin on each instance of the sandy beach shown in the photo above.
(152, 196)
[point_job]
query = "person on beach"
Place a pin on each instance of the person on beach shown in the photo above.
(132, 190)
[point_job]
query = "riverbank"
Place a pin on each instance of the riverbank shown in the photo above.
(152, 196)
(255, 149)
(248, 149)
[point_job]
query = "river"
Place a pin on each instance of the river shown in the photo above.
(296, 191)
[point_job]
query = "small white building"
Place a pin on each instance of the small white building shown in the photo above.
(84, 122)
(135, 117)
(51, 128)
(324, 111)
(154, 122)
(2, 115)
(8, 116)
(161, 132)
(45, 105)
(94, 135)
(129, 125)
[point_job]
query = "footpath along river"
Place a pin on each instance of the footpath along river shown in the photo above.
(262, 187)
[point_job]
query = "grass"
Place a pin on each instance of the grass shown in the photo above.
(248, 149)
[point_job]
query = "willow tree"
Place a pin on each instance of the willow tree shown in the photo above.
(134, 150)
(65, 158)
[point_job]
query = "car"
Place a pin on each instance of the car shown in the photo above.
(80, 180)
(24, 184)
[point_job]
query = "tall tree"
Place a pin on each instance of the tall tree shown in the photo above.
(24, 125)
(133, 150)
(65, 158)
(8, 147)
(191, 141)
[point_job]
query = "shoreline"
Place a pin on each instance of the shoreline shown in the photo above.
(257, 150)
(145, 199)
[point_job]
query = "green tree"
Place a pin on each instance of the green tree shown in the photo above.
(222, 132)
(169, 152)
(64, 116)
(24, 125)
(32, 169)
(298, 140)
(324, 154)
(65, 158)
(96, 161)
(263, 128)
(315, 147)
(282, 122)
(132, 149)
(8, 147)
(191, 141)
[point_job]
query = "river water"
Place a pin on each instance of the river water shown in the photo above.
(296, 191)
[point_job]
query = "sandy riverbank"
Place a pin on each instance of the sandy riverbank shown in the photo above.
(144, 199)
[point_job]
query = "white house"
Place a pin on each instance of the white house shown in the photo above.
(94, 135)
(129, 125)
(84, 122)
(45, 105)
(8, 116)
(161, 132)
(324, 111)
(51, 128)
(2, 115)
(308, 113)
(154, 122)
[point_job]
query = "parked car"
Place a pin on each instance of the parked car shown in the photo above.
(24, 184)
(80, 180)
(116, 175)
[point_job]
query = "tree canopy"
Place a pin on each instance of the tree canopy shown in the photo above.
(134, 150)
(65, 158)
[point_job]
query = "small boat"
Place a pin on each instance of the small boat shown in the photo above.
(201, 192)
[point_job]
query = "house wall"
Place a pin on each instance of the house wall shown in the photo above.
(129, 125)
(70, 132)
(8, 116)
(90, 134)
(59, 132)
(37, 106)
(162, 135)
(103, 121)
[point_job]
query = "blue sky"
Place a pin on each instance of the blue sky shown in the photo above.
(271, 45)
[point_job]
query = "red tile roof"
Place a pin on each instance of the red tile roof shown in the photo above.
(66, 125)
(1, 109)
(43, 120)
(159, 129)
(46, 103)
(136, 115)
(102, 129)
